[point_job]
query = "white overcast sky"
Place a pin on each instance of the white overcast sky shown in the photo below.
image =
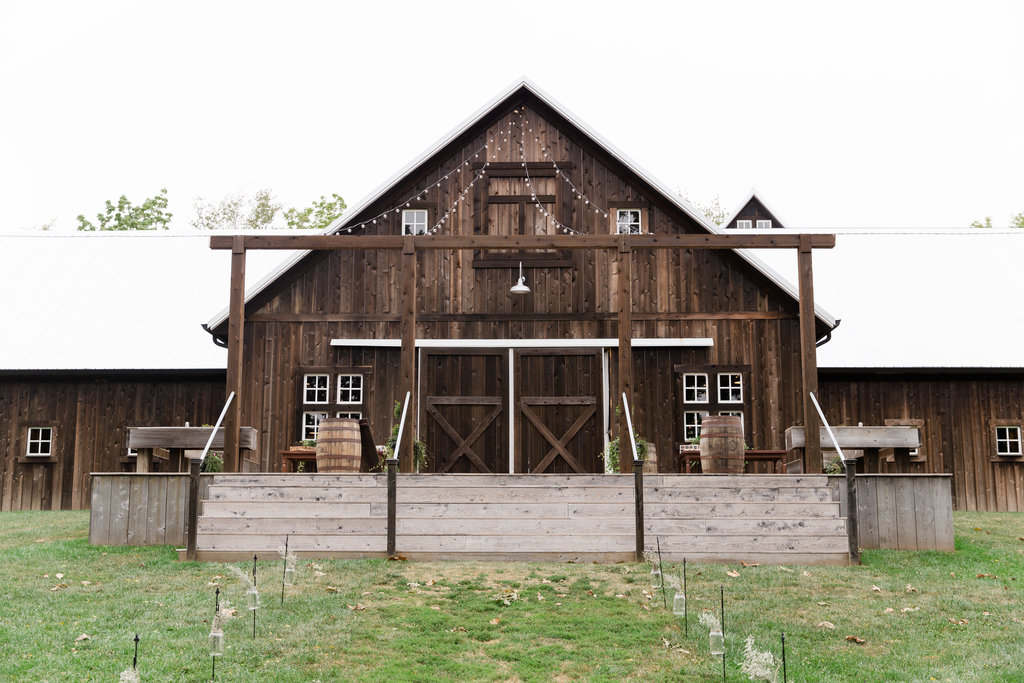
(879, 114)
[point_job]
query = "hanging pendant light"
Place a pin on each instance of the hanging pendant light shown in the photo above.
(520, 287)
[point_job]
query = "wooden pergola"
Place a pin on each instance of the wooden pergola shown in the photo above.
(623, 245)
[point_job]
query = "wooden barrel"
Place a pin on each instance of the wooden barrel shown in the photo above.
(338, 445)
(721, 444)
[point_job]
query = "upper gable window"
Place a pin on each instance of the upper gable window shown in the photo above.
(628, 222)
(764, 225)
(743, 225)
(414, 222)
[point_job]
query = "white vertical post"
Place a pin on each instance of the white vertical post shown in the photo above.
(629, 422)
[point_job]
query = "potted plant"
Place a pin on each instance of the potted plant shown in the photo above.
(419, 449)
(611, 454)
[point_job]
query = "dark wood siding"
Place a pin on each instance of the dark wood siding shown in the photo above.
(89, 415)
(957, 434)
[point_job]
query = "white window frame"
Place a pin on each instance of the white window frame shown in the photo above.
(414, 221)
(691, 390)
(42, 438)
(350, 414)
(317, 390)
(764, 224)
(744, 225)
(629, 224)
(729, 388)
(355, 393)
(1008, 440)
(308, 427)
(692, 420)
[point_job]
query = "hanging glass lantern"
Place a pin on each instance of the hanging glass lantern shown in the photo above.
(216, 642)
(679, 604)
(252, 598)
(716, 642)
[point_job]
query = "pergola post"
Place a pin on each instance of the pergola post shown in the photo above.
(625, 325)
(404, 450)
(236, 325)
(808, 358)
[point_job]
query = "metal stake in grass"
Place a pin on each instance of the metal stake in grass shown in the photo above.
(254, 603)
(284, 574)
(661, 570)
(686, 603)
(135, 659)
(722, 605)
(783, 657)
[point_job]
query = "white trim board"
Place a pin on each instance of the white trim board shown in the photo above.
(597, 343)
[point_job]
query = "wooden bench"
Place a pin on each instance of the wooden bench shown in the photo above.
(862, 441)
(177, 440)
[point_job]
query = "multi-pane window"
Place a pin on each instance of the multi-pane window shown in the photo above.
(317, 388)
(695, 388)
(743, 225)
(350, 388)
(730, 387)
(691, 423)
(764, 225)
(627, 221)
(1008, 440)
(414, 222)
(311, 423)
(352, 414)
(40, 441)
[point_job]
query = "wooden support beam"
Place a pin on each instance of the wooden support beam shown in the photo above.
(625, 324)
(236, 324)
(468, 242)
(408, 355)
(809, 357)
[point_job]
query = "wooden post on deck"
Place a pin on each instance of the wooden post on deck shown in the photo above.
(809, 358)
(236, 324)
(403, 452)
(392, 465)
(851, 510)
(638, 502)
(192, 509)
(625, 325)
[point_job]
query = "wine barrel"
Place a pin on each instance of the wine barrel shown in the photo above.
(338, 445)
(721, 444)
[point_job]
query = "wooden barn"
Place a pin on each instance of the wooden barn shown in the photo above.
(414, 290)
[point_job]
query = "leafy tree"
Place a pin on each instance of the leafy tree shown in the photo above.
(713, 211)
(152, 214)
(321, 214)
(1016, 221)
(237, 212)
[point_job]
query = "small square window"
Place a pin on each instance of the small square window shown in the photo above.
(350, 388)
(691, 423)
(730, 387)
(1008, 440)
(695, 388)
(317, 388)
(627, 221)
(414, 222)
(764, 225)
(40, 441)
(743, 225)
(310, 424)
(351, 415)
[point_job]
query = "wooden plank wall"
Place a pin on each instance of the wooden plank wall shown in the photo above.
(901, 511)
(956, 437)
(90, 414)
(139, 509)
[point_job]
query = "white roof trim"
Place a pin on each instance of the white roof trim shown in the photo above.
(599, 342)
(343, 220)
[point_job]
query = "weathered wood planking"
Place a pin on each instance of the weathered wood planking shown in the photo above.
(902, 511)
(90, 414)
(139, 509)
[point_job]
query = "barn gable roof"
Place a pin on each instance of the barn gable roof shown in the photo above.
(523, 85)
(752, 198)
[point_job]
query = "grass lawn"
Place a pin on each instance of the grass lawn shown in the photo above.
(922, 616)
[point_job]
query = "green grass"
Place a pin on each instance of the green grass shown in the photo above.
(961, 622)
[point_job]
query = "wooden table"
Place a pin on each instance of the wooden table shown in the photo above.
(777, 458)
(291, 458)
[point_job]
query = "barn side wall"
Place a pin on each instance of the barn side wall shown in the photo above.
(89, 415)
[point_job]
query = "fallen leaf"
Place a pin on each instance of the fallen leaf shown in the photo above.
(952, 575)
(666, 642)
(558, 604)
(751, 564)
(87, 583)
(430, 582)
(358, 607)
(495, 621)
(960, 622)
(82, 637)
(889, 610)
(646, 607)
(458, 629)
(436, 607)
(412, 584)
(826, 624)
(855, 639)
(910, 609)
(331, 589)
(398, 558)
(733, 574)
(911, 589)
(59, 586)
(545, 580)
(785, 569)
(876, 589)
(986, 614)
(540, 598)
(619, 595)
(59, 576)
(318, 573)
(806, 573)
(822, 603)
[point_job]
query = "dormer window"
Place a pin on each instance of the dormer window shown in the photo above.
(414, 222)
(743, 225)
(627, 222)
(764, 225)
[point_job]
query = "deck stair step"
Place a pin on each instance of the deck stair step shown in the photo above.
(754, 518)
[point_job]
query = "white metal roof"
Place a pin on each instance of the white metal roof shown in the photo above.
(523, 83)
